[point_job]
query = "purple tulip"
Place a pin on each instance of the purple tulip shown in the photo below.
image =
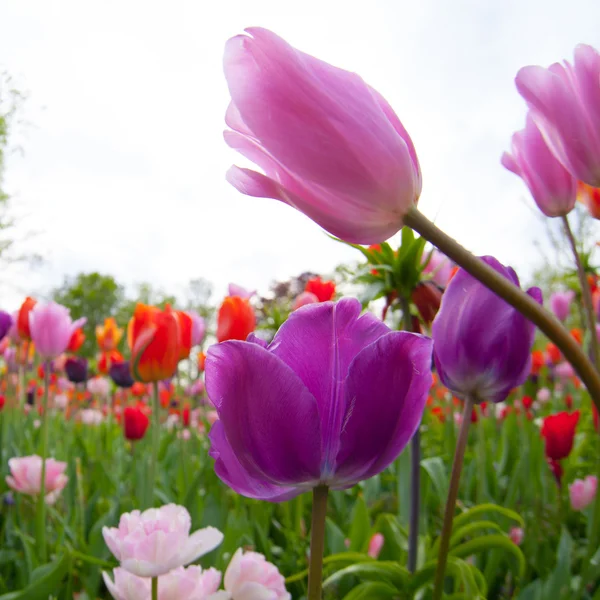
(6, 322)
(330, 146)
(332, 400)
(560, 304)
(553, 188)
(51, 328)
(120, 373)
(198, 327)
(565, 104)
(76, 369)
(481, 344)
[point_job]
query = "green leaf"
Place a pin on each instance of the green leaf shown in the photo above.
(476, 511)
(46, 581)
(342, 557)
(361, 526)
(372, 591)
(388, 571)
(436, 469)
(467, 530)
(560, 580)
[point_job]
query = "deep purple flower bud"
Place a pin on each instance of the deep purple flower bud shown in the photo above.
(120, 373)
(482, 345)
(6, 322)
(332, 400)
(76, 369)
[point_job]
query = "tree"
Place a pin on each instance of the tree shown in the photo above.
(94, 296)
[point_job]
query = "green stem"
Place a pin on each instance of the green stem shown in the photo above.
(21, 384)
(155, 588)
(317, 542)
(155, 441)
(41, 509)
(516, 297)
(586, 293)
(461, 444)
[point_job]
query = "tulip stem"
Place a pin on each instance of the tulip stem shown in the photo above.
(41, 508)
(155, 441)
(586, 293)
(516, 297)
(21, 384)
(317, 542)
(415, 467)
(459, 455)
(155, 588)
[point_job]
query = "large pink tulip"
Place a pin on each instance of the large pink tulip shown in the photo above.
(51, 328)
(329, 144)
(158, 540)
(565, 103)
(26, 476)
(582, 492)
(553, 188)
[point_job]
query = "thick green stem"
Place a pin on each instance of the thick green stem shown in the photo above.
(459, 454)
(21, 384)
(516, 297)
(41, 508)
(155, 442)
(155, 588)
(586, 293)
(317, 542)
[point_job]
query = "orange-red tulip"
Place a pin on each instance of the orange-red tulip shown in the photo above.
(155, 343)
(23, 318)
(590, 196)
(201, 358)
(76, 341)
(108, 335)
(236, 319)
(108, 359)
(185, 334)
(323, 290)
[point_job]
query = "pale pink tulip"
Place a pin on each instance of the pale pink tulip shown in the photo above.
(158, 540)
(565, 103)
(198, 327)
(582, 492)
(51, 328)
(26, 476)
(560, 303)
(250, 577)
(439, 267)
(544, 395)
(237, 290)
(564, 370)
(179, 584)
(91, 416)
(303, 299)
(553, 188)
(329, 144)
(99, 386)
(375, 545)
(516, 535)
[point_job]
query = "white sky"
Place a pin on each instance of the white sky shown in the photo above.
(124, 162)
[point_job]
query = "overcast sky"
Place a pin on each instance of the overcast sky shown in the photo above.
(124, 162)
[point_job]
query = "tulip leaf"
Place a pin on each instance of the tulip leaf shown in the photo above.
(372, 591)
(466, 577)
(467, 530)
(360, 527)
(476, 511)
(45, 581)
(387, 571)
(436, 469)
(342, 557)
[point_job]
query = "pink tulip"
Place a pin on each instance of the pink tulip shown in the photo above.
(582, 492)
(375, 545)
(180, 584)
(198, 327)
(91, 416)
(329, 144)
(543, 396)
(158, 540)
(26, 476)
(439, 266)
(303, 299)
(99, 386)
(564, 370)
(61, 401)
(565, 103)
(250, 576)
(516, 535)
(51, 328)
(553, 188)
(238, 290)
(560, 304)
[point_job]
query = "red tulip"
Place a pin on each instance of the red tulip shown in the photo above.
(135, 422)
(323, 290)
(23, 318)
(427, 297)
(108, 359)
(558, 432)
(236, 319)
(185, 334)
(76, 341)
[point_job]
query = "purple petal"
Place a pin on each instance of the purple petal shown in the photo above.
(319, 342)
(386, 393)
(270, 418)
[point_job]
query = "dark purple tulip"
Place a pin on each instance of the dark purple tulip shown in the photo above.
(120, 373)
(76, 369)
(332, 400)
(6, 322)
(481, 344)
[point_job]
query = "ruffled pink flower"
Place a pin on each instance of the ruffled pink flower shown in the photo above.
(158, 540)
(180, 584)
(98, 386)
(51, 328)
(249, 576)
(26, 476)
(91, 416)
(582, 492)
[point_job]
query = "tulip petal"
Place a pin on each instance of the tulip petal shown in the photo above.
(319, 342)
(201, 542)
(229, 469)
(270, 418)
(386, 392)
